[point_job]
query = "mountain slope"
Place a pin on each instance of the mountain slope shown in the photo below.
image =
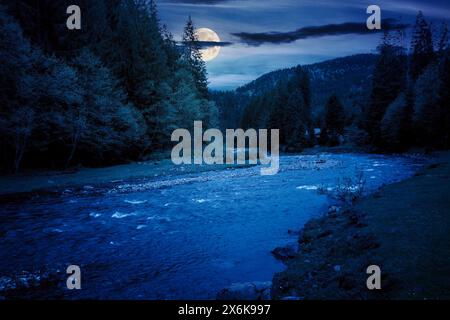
(349, 77)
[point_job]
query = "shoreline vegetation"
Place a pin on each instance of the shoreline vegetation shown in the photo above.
(403, 228)
(37, 181)
(110, 93)
(114, 93)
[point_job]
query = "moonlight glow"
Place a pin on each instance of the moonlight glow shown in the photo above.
(205, 34)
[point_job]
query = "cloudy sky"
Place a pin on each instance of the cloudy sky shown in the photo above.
(266, 35)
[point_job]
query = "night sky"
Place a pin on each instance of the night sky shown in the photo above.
(306, 31)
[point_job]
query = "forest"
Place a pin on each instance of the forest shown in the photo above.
(407, 104)
(115, 90)
(108, 93)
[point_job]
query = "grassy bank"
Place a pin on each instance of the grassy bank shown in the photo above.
(37, 181)
(404, 228)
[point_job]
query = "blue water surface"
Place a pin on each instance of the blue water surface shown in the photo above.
(180, 237)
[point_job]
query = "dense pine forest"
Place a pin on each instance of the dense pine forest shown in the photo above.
(389, 102)
(116, 89)
(110, 92)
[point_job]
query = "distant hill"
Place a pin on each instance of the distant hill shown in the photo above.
(349, 77)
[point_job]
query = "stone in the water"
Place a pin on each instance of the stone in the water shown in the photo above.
(7, 283)
(29, 285)
(285, 253)
(333, 209)
(246, 291)
(347, 282)
(324, 234)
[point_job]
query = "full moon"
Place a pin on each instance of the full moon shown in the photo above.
(205, 34)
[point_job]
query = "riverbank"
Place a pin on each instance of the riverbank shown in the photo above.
(46, 180)
(404, 228)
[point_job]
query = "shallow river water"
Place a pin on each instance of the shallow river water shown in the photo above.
(180, 237)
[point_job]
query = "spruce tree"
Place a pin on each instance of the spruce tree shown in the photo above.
(442, 44)
(426, 106)
(194, 58)
(443, 126)
(334, 122)
(396, 127)
(294, 127)
(421, 47)
(389, 79)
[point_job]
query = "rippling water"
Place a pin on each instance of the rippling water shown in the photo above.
(184, 237)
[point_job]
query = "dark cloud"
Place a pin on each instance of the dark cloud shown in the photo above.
(207, 44)
(256, 39)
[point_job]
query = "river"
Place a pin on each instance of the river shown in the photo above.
(180, 237)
